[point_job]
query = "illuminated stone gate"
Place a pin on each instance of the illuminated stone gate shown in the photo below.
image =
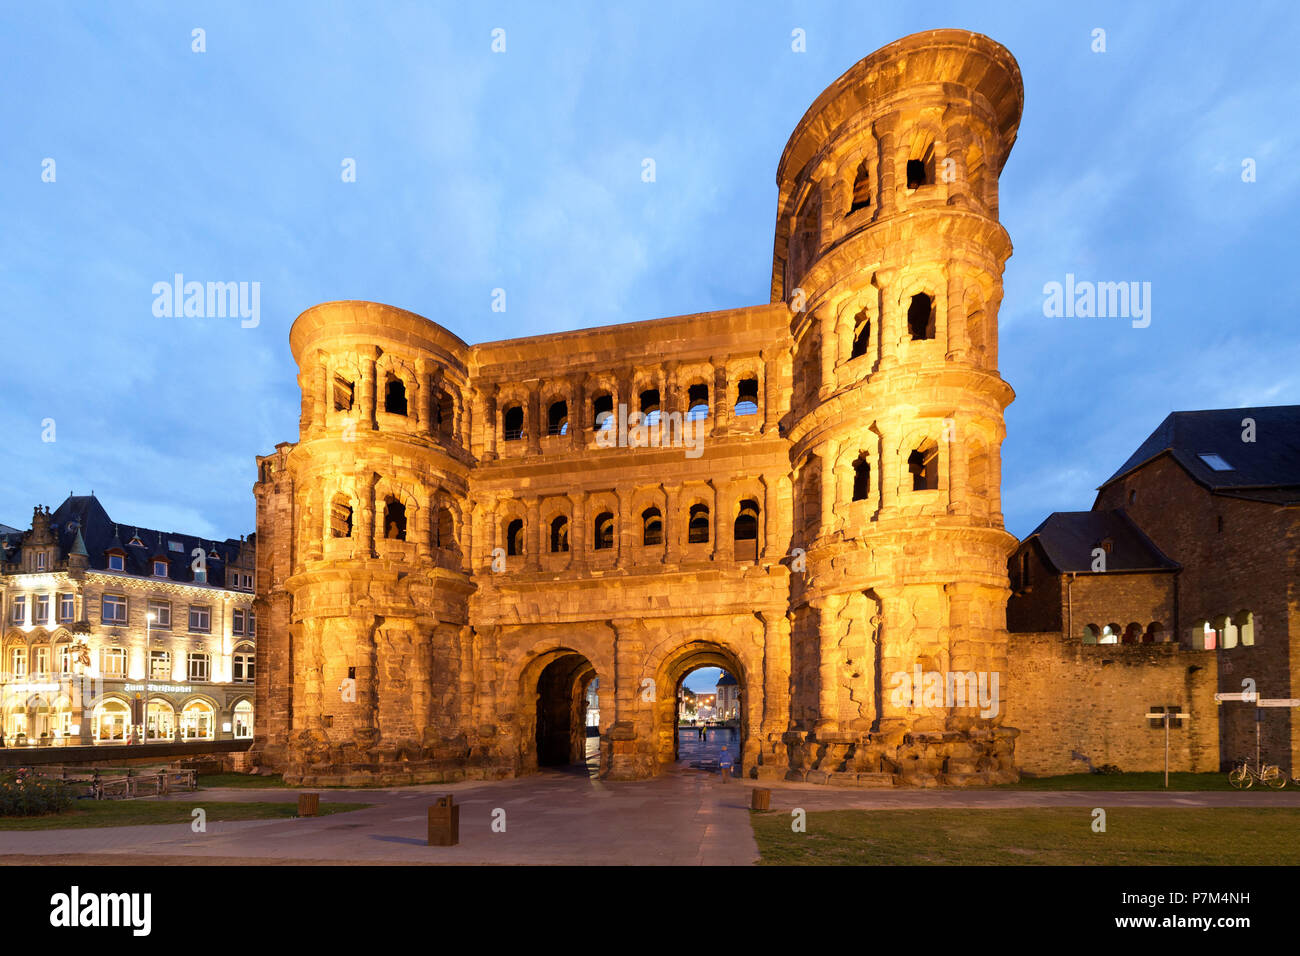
(463, 536)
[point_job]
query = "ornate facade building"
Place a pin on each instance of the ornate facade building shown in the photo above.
(805, 493)
(116, 634)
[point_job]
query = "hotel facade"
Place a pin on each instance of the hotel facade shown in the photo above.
(120, 635)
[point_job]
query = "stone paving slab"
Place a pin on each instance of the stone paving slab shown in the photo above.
(552, 818)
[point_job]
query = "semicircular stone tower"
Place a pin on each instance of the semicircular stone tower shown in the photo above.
(890, 255)
(372, 588)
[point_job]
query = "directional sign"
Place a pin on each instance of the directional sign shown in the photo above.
(1240, 695)
(1278, 702)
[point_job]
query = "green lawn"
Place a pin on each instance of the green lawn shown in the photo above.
(1134, 836)
(1125, 781)
(126, 813)
(241, 781)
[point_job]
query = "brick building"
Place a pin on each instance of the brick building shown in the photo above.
(114, 633)
(1194, 544)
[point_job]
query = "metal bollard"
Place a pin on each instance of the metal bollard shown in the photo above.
(308, 804)
(444, 822)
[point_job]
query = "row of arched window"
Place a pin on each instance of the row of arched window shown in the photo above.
(1225, 631)
(648, 404)
(394, 401)
(394, 526)
(604, 531)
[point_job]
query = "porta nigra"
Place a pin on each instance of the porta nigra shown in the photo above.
(465, 536)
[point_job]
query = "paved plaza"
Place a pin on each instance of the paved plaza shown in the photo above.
(687, 816)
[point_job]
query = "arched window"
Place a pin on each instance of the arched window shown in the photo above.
(444, 533)
(861, 188)
(245, 662)
(444, 413)
(920, 168)
(747, 397)
(861, 334)
(1109, 634)
(515, 537)
(559, 534)
(1132, 633)
(745, 531)
(920, 317)
(1228, 631)
(394, 519)
(512, 423)
(1155, 633)
(243, 720)
(603, 540)
(652, 527)
(557, 419)
(341, 517)
(160, 720)
(343, 394)
(1090, 634)
(394, 395)
(697, 529)
(650, 406)
(196, 721)
(110, 720)
(923, 464)
(1245, 622)
(861, 478)
(602, 411)
(697, 398)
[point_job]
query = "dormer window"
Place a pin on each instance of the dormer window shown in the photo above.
(159, 568)
(42, 561)
(1214, 461)
(135, 542)
(176, 546)
(116, 561)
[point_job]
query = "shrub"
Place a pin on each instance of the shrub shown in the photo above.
(1108, 768)
(26, 794)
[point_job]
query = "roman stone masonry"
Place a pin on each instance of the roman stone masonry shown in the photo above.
(804, 493)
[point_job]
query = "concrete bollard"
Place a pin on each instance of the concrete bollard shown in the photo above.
(308, 804)
(444, 822)
(761, 799)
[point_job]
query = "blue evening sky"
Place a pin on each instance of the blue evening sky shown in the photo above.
(522, 170)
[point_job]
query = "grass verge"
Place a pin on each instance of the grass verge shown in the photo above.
(129, 813)
(1134, 836)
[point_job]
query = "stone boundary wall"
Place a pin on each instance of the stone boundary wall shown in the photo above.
(1074, 704)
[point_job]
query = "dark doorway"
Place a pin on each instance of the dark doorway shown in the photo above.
(562, 711)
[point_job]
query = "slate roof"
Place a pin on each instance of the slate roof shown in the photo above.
(726, 680)
(1068, 538)
(81, 518)
(1267, 469)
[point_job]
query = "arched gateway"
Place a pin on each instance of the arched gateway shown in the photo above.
(804, 492)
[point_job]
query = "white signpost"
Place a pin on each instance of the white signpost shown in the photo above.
(1259, 702)
(1168, 715)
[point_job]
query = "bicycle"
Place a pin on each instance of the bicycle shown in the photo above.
(1244, 776)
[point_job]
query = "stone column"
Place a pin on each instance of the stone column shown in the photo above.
(578, 415)
(891, 467)
(890, 317)
(958, 467)
(632, 751)
(829, 351)
(887, 166)
(534, 423)
(578, 531)
(674, 524)
(366, 402)
(828, 636)
(532, 515)
(721, 411)
(958, 338)
(771, 391)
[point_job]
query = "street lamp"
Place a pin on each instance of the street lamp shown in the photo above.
(149, 618)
